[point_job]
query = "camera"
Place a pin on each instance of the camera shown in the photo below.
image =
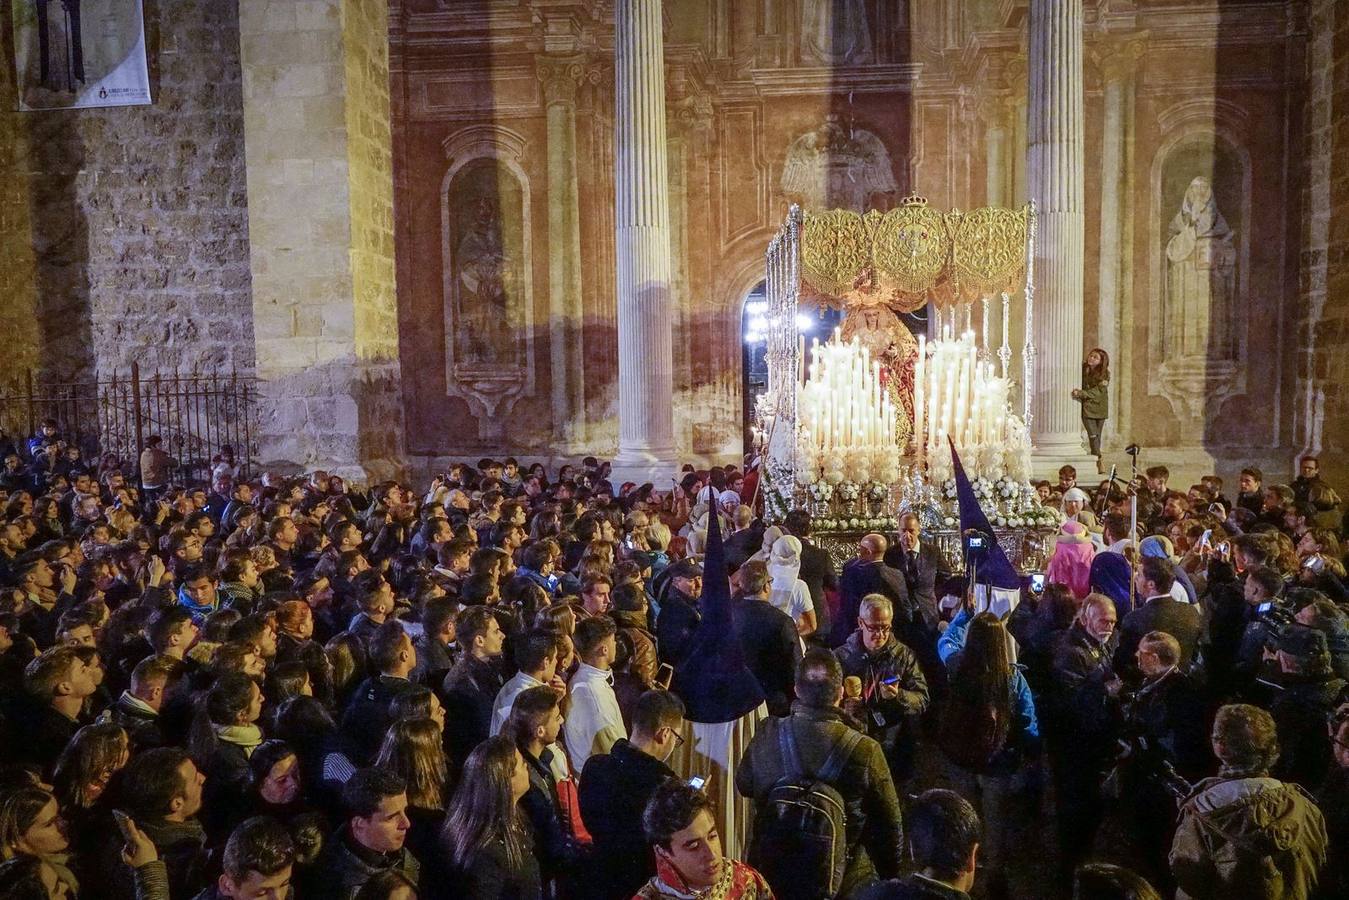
(1274, 615)
(976, 542)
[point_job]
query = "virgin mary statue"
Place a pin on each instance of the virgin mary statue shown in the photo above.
(878, 329)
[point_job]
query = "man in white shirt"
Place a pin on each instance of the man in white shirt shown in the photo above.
(536, 655)
(594, 720)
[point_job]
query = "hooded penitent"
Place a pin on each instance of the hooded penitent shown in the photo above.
(713, 680)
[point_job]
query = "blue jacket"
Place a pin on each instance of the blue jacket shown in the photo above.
(549, 583)
(1024, 735)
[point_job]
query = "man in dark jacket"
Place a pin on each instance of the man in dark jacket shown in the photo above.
(917, 562)
(1165, 735)
(368, 716)
(875, 835)
(944, 835)
(1310, 693)
(370, 842)
(258, 862)
(744, 541)
(57, 683)
(1081, 725)
(817, 571)
(615, 788)
(679, 615)
(470, 689)
(1159, 612)
(161, 789)
(893, 691)
(137, 709)
(768, 637)
(866, 574)
(534, 725)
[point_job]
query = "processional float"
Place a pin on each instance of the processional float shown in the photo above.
(857, 429)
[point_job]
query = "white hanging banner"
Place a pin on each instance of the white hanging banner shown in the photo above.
(72, 54)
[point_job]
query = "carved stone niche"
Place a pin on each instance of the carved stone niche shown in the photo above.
(1200, 235)
(488, 293)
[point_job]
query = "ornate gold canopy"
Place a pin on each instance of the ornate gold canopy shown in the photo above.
(914, 254)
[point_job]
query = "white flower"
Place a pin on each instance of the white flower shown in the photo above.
(948, 521)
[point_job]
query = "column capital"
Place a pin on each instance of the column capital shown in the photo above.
(561, 76)
(1116, 56)
(690, 114)
(995, 109)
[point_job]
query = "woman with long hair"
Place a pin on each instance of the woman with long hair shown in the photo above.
(93, 756)
(325, 761)
(347, 660)
(224, 735)
(414, 750)
(485, 836)
(1094, 395)
(31, 825)
(988, 732)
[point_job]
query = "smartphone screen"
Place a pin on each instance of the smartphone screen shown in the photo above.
(123, 821)
(1037, 582)
(663, 676)
(697, 782)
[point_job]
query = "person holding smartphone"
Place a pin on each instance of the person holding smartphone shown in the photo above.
(894, 692)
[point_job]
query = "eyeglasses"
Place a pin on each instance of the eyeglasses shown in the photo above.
(679, 738)
(876, 629)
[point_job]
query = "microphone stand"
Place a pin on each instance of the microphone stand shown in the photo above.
(1133, 525)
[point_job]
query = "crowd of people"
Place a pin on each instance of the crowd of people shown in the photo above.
(276, 686)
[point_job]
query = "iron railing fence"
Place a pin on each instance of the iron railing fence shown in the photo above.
(194, 413)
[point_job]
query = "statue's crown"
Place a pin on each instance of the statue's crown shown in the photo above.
(914, 200)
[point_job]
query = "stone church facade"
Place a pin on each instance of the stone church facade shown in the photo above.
(410, 240)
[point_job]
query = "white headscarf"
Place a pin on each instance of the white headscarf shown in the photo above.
(784, 564)
(769, 538)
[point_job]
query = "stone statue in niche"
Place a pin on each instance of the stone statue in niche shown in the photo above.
(1200, 278)
(488, 288)
(487, 293)
(486, 261)
(835, 32)
(837, 166)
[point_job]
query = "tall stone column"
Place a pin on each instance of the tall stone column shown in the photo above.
(561, 76)
(320, 231)
(645, 370)
(1055, 168)
(1117, 86)
(689, 121)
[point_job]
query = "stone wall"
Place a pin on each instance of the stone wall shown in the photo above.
(316, 111)
(1325, 324)
(136, 218)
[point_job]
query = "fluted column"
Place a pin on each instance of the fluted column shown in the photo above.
(561, 76)
(1117, 68)
(645, 372)
(1055, 169)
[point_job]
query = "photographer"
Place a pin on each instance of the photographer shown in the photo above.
(1163, 747)
(1308, 693)
(1265, 616)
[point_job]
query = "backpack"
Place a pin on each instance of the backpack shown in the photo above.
(800, 844)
